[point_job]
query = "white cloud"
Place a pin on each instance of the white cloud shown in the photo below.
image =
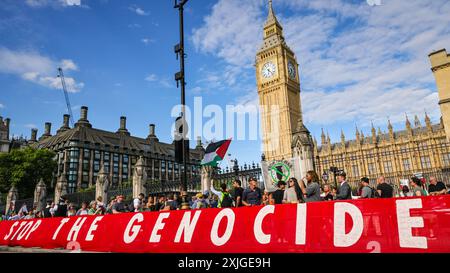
(54, 3)
(138, 10)
(68, 65)
(134, 25)
(2, 106)
(147, 41)
(151, 78)
(30, 126)
(357, 62)
(34, 67)
(164, 82)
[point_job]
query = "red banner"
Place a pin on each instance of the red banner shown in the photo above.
(375, 225)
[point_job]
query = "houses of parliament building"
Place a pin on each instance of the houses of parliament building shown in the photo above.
(422, 148)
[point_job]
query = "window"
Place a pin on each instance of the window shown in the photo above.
(355, 170)
(426, 162)
(170, 170)
(446, 159)
(372, 168)
(177, 171)
(125, 167)
(406, 165)
(163, 169)
(106, 161)
(156, 169)
(388, 167)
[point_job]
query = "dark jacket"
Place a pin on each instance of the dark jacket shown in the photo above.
(344, 192)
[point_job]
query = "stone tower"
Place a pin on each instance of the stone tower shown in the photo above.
(278, 82)
(440, 65)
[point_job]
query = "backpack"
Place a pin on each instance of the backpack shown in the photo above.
(375, 193)
(227, 201)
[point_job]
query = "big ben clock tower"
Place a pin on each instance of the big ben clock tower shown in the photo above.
(278, 82)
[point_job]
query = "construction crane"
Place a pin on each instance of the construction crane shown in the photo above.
(63, 83)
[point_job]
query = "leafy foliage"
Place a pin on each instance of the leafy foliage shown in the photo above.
(24, 168)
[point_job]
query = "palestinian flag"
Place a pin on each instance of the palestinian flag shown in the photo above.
(215, 152)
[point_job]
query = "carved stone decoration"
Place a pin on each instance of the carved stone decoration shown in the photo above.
(102, 185)
(139, 178)
(40, 195)
(206, 177)
(12, 197)
(61, 187)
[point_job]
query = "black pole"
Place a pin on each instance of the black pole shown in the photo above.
(181, 77)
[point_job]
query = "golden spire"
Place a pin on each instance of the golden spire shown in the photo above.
(271, 18)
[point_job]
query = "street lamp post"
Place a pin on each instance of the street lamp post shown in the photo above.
(180, 78)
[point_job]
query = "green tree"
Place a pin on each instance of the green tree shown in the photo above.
(24, 168)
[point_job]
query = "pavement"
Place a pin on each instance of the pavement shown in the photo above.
(18, 249)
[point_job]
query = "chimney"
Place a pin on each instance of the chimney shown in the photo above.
(123, 123)
(84, 113)
(199, 143)
(65, 125)
(48, 129)
(7, 122)
(83, 121)
(152, 129)
(123, 126)
(66, 121)
(33, 135)
(152, 134)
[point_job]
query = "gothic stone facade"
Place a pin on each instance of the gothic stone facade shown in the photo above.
(397, 155)
(83, 150)
(4, 135)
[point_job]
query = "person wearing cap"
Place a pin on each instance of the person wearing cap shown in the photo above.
(344, 192)
(367, 191)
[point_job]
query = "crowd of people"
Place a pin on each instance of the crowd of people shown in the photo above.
(293, 191)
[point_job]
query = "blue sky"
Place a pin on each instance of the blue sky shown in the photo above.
(359, 63)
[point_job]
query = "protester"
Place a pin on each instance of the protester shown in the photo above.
(119, 206)
(252, 196)
(237, 193)
(290, 194)
(344, 192)
(138, 203)
(110, 205)
(83, 210)
(170, 203)
(327, 195)
(161, 202)
(95, 209)
(278, 195)
(150, 206)
(405, 192)
(384, 190)
(100, 204)
(47, 213)
(312, 190)
(224, 198)
(266, 198)
(200, 202)
(435, 187)
(416, 186)
(366, 191)
(60, 210)
(71, 211)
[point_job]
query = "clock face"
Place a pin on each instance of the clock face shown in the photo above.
(268, 70)
(291, 70)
